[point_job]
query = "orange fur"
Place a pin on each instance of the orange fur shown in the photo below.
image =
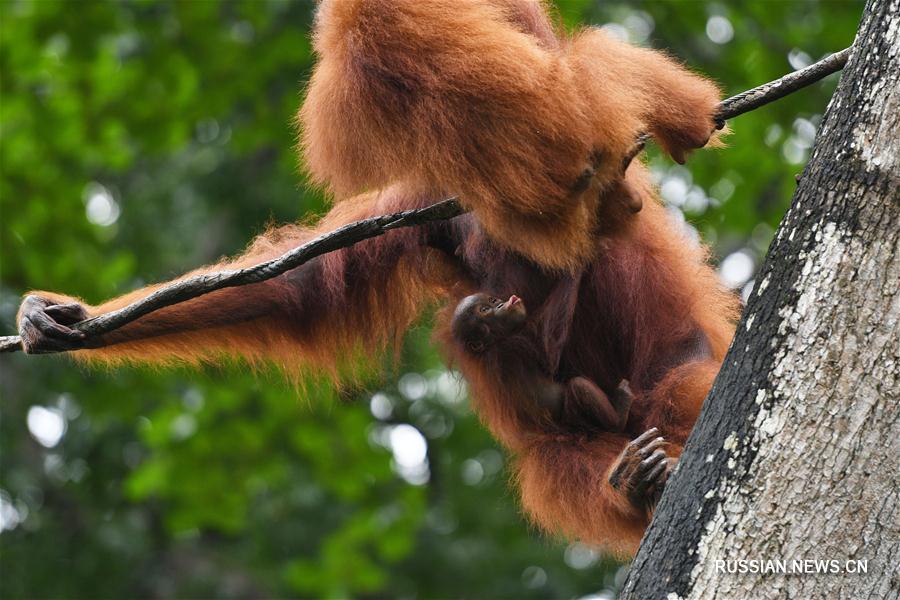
(475, 99)
(565, 489)
(646, 293)
(487, 100)
(332, 331)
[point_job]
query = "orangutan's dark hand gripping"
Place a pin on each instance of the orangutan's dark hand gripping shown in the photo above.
(641, 471)
(45, 327)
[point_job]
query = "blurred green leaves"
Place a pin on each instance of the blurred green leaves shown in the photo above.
(139, 139)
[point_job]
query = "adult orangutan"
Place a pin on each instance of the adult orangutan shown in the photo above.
(413, 101)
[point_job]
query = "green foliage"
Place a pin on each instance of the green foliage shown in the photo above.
(139, 139)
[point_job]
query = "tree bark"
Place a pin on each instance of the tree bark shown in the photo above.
(796, 454)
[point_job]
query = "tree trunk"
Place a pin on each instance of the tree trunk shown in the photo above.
(796, 456)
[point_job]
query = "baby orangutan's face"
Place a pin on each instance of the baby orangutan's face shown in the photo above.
(480, 320)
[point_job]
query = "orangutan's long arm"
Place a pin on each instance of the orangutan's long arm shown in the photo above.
(659, 95)
(353, 299)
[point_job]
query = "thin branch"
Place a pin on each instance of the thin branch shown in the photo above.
(192, 287)
(764, 94)
(351, 233)
(790, 83)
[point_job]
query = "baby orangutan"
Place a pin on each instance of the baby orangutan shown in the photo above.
(496, 334)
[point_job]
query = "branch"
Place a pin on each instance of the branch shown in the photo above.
(351, 233)
(790, 83)
(192, 287)
(764, 94)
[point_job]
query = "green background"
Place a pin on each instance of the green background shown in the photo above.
(139, 139)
